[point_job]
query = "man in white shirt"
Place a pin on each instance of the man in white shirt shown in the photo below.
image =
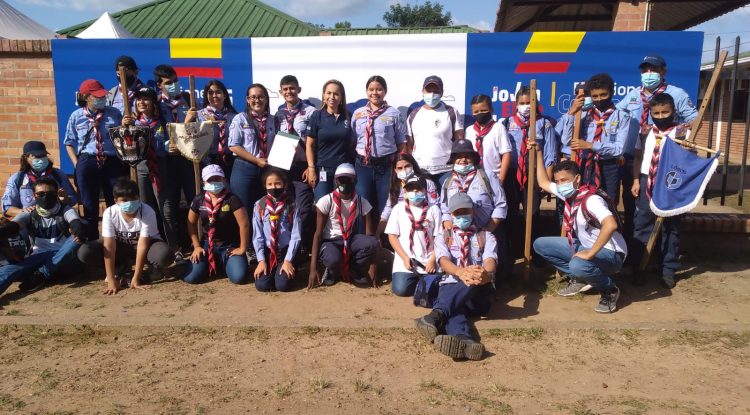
(593, 248)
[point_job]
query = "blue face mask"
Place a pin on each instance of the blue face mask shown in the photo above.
(588, 103)
(566, 190)
(173, 89)
(130, 206)
(415, 197)
(431, 99)
(463, 169)
(650, 80)
(214, 187)
(38, 165)
(99, 103)
(462, 221)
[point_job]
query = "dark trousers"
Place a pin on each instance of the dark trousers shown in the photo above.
(611, 172)
(159, 256)
(669, 242)
(91, 179)
(163, 201)
(515, 222)
(459, 301)
(246, 182)
(362, 248)
(303, 202)
(275, 279)
(182, 178)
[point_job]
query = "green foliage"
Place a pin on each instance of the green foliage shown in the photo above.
(425, 15)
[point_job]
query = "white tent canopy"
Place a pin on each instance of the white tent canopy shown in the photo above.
(15, 25)
(105, 27)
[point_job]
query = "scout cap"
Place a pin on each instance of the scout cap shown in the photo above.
(92, 87)
(463, 146)
(433, 80)
(345, 169)
(35, 148)
(212, 170)
(655, 60)
(460, 200)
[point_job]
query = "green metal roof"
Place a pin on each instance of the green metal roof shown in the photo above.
(205, 19)
(400, 30)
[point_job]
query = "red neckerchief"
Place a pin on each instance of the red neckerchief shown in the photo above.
(346, 229)
(94, 120)
(589, 161)
(151, 162)
(370, 128)
(221, 117)
(655, 155)
(522, 172)
(259, 121)
(213, 209)
(465, 244)
(464, 183)
(274, 209)
(33, 176)
(646, 101)
(418, 225)
(482, 132)
(570, 210)
(172, 104)
(290, 114)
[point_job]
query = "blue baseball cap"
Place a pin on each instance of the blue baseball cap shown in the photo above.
(654, 59)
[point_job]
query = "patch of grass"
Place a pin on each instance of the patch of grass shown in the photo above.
(33, 300)
(7, 401)
(499, 389)
(361, 385)
(602, 337)
(518, 334)
(496, 407)
(72, 305)
(309, 330)
(283, 390)
(14, 312)
(61, 413)
(430, 384)
(320, 383)
(693, 338)
(580, 408)
(55, 293)
(256, 334)
(635, 407)
(631, 336)
(552, 286)
(117, 410)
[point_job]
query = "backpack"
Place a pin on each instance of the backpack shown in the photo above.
(452, 113)
(591, 221)
(55, 175)
(484, 182)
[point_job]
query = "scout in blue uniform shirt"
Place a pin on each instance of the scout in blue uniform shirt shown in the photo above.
(90, 149)
(381, 132)
(467, 254)
(35, 165)
(250, 139)
(293, 117)
(217, 107)
(114, 96)
(276, 235)
(604, 136)
(173, 102)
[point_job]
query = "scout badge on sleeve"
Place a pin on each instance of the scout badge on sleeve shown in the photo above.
(193, 139)
(131, 142)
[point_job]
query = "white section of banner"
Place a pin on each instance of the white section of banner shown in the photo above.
(404, 61)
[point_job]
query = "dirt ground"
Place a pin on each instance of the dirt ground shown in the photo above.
(222, 349)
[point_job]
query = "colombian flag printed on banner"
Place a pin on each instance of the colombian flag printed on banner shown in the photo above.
(198, 57)
(549, 52)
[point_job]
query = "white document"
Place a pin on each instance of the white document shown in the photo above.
(283, 149)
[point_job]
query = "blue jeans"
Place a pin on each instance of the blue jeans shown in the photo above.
(374, 181)
(234, 266)
(274, 279)
(403, 284)
(596, 271)
(325, 187)
(90, 179)
(303, 201)
(458, 301)
(611, 173)
(48, 263)
(669, 241)
(246, 182)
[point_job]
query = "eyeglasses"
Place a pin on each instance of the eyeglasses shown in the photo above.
(256, 98)
(215, 92)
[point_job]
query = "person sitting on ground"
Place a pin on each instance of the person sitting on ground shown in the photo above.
(226, 230)
(412, 228)
(343, 239)
(55, 231)
(129, 234)
(276, 235)
(468, 256)
(593, 248)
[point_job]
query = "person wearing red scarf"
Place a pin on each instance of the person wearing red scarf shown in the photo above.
(343, 241)
(276, 235)
(226, 231)
(217, 107)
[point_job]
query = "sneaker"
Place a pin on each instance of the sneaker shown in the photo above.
(450, 346)
(473, 350)
(327, 279)
(608, 301)
(431, 325)
(668, 281)
(574, 287)
(32, 283)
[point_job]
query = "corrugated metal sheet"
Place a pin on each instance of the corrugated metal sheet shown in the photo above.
(205, 19)
(401, 31)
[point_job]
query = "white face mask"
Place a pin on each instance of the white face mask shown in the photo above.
(431, 99)
(405, 173)
(524, 110)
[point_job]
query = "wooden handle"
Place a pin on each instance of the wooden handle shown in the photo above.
(191, 81)
(695, 126)
(576, 135)
(124, 88)
(530, 180)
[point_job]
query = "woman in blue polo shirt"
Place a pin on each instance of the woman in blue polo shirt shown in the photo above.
(381, 133)
(330, 139)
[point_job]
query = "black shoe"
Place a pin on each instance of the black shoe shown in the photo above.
(450, 346)
(327, 279)
(32, 283)
(639, 278)
(431, 325)
(668, 281)
(473, 350)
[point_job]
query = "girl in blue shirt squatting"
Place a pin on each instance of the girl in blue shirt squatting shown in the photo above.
(276, 234)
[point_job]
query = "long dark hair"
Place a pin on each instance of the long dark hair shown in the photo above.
(265, 93)
(395, 189)
(154, 103)
(227, 102)
(342, 104)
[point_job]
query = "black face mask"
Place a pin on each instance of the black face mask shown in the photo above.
(129, 80)
(47, 200)
(275, 193)
(603, 104)
(483, 117)
(664, 123)
(345, 187)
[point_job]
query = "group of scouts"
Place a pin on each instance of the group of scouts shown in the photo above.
(444, 198)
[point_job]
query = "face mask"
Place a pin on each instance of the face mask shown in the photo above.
(276, 192)
(524, 110)
(566, 190)
(130, 206)
(603, 104)
(463, 169)
(664, 123)
(46, 201)
(405, 174)
(99, 103)
(650, 80)
(431, 99)
(40, 164)
(129, 80)
(173, 89)
(416, 197)
(345, 188)
(462, 221)
(483, 117)
(587, 103)
(214, 187)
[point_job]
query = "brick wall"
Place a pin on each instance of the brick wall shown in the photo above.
(629, 17)
(27, 101)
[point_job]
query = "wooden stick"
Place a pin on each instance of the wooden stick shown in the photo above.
(576, 135)
(196, 164)
(124, 89)
(530, 183)
(689, 144)
(191, 81)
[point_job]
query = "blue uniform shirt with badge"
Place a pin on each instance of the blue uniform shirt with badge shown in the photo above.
(178, 115)
(79, 125)
(114, 97)
(204, 115)
(477, 253)
(289, 232)
(333, 137)
(389, 131)
(160, 141)
(488, 203)
(300, 123)
(545, 138)
(23, 196)
(243, 133)
(615, 136)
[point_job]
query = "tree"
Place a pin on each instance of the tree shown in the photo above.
(343, 25)
(427, 14)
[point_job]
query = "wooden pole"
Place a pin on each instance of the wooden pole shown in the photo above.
(196, 164)
(694, 128)
(530, 183)
(126, 111)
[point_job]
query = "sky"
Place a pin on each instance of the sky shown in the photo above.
(58, 14)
